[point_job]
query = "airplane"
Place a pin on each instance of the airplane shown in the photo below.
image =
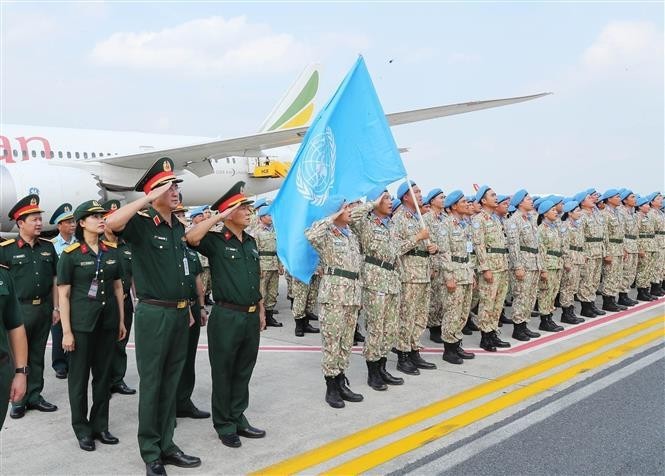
(99, 164)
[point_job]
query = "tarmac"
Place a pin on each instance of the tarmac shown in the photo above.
(305, 435)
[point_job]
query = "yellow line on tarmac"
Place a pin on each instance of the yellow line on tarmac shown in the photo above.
(420, 438)
(360, 438)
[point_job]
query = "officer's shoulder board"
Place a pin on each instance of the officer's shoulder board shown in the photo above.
(110, 244)
(8, 242)
(72, 247)
(143, 213)
(46, 240)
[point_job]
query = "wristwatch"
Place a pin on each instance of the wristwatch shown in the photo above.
(23, 370)
(56, 309)
(203, 308)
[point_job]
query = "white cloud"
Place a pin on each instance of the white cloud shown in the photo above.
(212, 46)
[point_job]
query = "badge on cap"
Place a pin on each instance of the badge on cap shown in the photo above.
(68, 209)
(33, 201)
(114, 206)
(167, 166)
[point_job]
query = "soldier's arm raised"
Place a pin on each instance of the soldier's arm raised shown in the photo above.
(117, 220)
(195, 234)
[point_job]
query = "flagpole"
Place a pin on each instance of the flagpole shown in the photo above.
(415, 202)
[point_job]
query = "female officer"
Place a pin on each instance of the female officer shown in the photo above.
(91, 310)
(573, 260)
(550, 247)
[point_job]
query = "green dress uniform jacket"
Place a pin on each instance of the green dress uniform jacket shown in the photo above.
(10, 318)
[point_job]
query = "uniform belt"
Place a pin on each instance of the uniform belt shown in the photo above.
(593, 240)
(503, 251)
(660, 233)
(644, 235)
(459, 259)
(577, 248)
(529, 250)
(237, 307)
(379, 262)
(421, 253)
(34, 301)
(181, 304)
(342, 272)
(267, 253)
(618, 241)
(554, 253)
(630, 237)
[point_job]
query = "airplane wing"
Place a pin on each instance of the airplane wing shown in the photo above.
(196, 157)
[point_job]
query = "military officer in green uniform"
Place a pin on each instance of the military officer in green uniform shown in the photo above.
(91, 298)
(119, 365)
(238, 315)
(32, 262)
(13, 378)
(161, 319)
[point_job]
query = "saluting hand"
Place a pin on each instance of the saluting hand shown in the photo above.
(158, 191)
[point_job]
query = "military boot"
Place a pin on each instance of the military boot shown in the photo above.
(503, 319)
(405, 365)
(518, 332)
(548, 325)
(344, 391)
(300, 327)
(568, 315)
(271, 321)
(463, 353)
(469, 327)
(308, 328)
(536, 310)
(435, 334)
(587, 311)
(450, 353)
(624, 300)
(486, 342)
(557, 300)
(419, 362)
(357, 336)
(311, 316)
(374, 379)
(529, 332)
(498, 342)
(595, 310)
(386, 376)
(656, 290)
(609, 304)
(333, 397)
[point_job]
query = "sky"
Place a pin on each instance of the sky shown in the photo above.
(217, 69)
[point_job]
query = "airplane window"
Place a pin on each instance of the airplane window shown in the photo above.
(5, 153)
(52, 154)
(15, 153)
(59, 154)
(85, 155)
(25, 153)
(93, 155)
(78, 156)
(34, 153)
(43, 154)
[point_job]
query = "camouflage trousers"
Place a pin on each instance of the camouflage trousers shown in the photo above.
(413, 312)
(612, 276)
(457, 305)
(590, 279)
(658, 267)
(380, 313)
(645, 269)
(524, 296)
(205, 279)
(436, 300)
(492, 295)
(268, 286)
(337, 324)
(629, 272)
(475, 293)
(304, 296)
(289, 285)
(548, 289)
(570, 284)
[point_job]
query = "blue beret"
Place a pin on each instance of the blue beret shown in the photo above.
(591, 191)
(570, 205)
(641, 201)
(611, 192)
(375, 193)
(502, 198)
(652, 196)
(581, 196)
(625, 193)
(518, 197)
(555, 199)
(481, 193)
(545, 206)
(536, 197)
(197, 211)
(396, 204)
(403, 188)
(452, 198)
(432, 194)
(264, 211)
(470, 198)
(538, 201)
(260, 202)
(332, 205)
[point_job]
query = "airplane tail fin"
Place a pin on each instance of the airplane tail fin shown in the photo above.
(296, 107)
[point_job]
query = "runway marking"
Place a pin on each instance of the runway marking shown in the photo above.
(360, 438)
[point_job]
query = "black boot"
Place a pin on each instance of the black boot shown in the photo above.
(503, 319)
(536, 310)
(333, 398)
(450, 353)
(435, 334)
(308, 328)
(374, 380)
(595, 310)
(419, 362)
(518, 332)
(344, 391)
(529, 332)
(557, 301)
(643, 295)
(609, 304)
(508, 302)
(357, 336)
(463, 353)
(469, 327)
(405, 365)
(300, 327)
(486, 342)
(548, 325)
(568, 316)
(271, 321)
(311, 316)
(385, 375)
(624, 300)
(472, 325)
(587, 311)
(498, 342)
(656, 290)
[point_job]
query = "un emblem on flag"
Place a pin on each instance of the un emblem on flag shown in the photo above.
(316, 172)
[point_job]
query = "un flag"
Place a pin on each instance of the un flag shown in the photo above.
(347, 151)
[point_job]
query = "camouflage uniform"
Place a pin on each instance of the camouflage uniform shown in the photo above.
(594, 250)
(473, 260)
(647, 245)
(415, 278)
(380, 279)
(456, 266)
(489, 243)
(340, 292)
(436, 226)
(573, 258)
(305, 295)
(522, 238)
(631, 232)
(614, 237)
(659, 259)
(550, 248)
(266, 243)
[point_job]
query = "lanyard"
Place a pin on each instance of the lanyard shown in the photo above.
(99, 262)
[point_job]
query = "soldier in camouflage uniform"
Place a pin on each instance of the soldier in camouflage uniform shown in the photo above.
(524, 261)
(339, 296)
(647, 249)
(550, 249)
(472, 210)
(434, 220)
(614, 251)
(656, 202)
(630, 229)
(415, 277)
(380, 283)
(271, 268)
(573, 260)
(594, 250)
(489, 242)
(458, 278)
(304, 303)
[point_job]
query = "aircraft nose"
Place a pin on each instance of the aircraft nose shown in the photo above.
(8, 198)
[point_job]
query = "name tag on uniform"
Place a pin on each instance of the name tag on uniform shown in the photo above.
(469, 246)
(87, 263)
(111, 261)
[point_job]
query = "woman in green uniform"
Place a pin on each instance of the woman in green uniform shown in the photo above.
(550, 247)
(91, 310)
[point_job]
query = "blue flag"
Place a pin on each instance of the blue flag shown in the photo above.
(347, 151)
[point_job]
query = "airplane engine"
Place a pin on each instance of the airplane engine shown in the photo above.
(54, 185)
